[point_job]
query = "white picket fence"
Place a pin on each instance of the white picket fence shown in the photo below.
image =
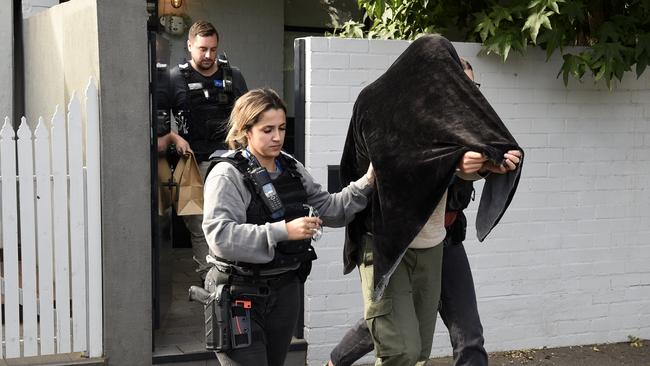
(51, 233)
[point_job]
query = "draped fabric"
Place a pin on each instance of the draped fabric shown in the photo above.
(414, 123)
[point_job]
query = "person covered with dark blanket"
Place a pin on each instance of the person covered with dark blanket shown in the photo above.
(419, 124)
(457, 307)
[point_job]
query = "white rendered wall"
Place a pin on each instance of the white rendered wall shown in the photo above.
(60, 54)
(569, 263)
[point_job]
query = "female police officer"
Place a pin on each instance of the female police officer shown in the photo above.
(259, 233)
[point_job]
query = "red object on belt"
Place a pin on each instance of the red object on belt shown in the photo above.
(450, 217)
(246, 304)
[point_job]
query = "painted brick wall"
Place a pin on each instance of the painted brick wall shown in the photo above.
(569, 263)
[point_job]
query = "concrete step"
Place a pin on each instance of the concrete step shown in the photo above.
(297, 356)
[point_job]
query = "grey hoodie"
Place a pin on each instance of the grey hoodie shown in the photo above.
(226, 199)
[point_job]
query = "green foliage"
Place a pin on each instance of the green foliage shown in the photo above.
(614, 35)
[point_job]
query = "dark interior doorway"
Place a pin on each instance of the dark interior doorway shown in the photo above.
(177, 323)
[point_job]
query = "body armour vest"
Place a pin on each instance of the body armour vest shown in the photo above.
(209, 102)
(293, 196)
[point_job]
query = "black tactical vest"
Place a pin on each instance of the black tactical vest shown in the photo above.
(208, 105)
(293, 196)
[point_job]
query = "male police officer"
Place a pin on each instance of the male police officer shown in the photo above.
(202, 94)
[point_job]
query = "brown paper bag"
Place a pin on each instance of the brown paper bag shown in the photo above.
(165, 185)
(189, 193)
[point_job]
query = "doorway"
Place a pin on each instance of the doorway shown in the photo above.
(178, 323)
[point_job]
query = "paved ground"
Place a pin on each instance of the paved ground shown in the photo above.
(182, 331)
(633, 353)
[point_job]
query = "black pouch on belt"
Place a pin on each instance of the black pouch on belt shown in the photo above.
(218, 320)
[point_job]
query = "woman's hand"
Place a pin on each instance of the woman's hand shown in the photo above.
(370, 174)
(303, 227)
(510, 163)
(513, 157)
(471, 162)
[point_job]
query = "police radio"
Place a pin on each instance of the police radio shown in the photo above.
(226, 83)
(264, 187)
(223, 84)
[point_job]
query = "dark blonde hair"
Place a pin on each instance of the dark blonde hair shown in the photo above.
(247, 111)
(203, 29)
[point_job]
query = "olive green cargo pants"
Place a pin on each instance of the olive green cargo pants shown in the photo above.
(402, 322)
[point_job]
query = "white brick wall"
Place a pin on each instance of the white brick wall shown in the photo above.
(569, 263)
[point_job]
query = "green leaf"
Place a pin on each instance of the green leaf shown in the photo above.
(379, 8)
(566, 68)
(553, 5)
(552, 39)
(609, 61)
(601, 72)
(618, 68)
(535, 21)
(642, 46)
(641, 65)
(608, 31)
(499, 14)
(642, 54)
(541, 5)
(502, 43)
(358, 32)
(387, 16)
(485, 27)
(535, 3)
(574, 66)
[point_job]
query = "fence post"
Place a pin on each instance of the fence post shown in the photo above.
(95, 294)
(44, 237)
(10, 239)
(27, 238)
(77, 223)
(61, 252)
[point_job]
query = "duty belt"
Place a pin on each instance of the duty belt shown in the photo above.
(272, 281)
(251, 270)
